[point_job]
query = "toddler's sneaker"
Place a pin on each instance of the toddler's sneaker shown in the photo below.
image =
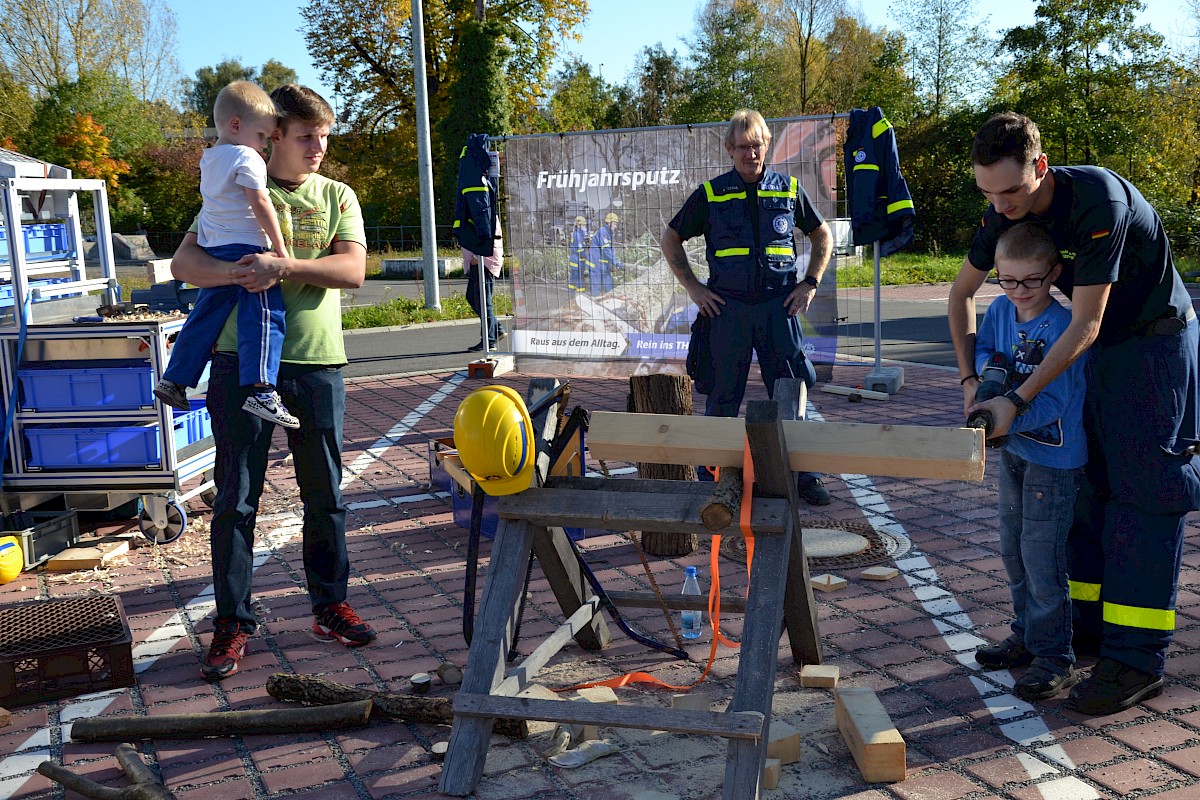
(172, 394)
(268, 406)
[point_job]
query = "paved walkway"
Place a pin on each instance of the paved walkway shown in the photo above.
(910, 639)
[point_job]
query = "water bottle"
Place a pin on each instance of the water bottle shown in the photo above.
(691, 619)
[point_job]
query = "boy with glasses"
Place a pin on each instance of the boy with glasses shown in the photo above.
(1040, 463)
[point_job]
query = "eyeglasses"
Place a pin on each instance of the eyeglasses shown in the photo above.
(746, 148)
(1028, 283)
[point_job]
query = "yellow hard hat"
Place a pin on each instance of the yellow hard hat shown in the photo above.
(12, 561)
(580, 221)
(494, 437)
(611, 217)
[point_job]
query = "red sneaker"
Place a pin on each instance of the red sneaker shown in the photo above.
(339, 621)
(227, 648)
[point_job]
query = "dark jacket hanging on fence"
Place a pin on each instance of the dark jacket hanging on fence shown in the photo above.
(475, 209)
(881, 208)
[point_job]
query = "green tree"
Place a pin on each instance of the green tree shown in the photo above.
(950, 53)
(733, 63)
(809, 24)
(660, 85)
(867, 68)
(274, 74)
(166, 176)
(201, 92)
(16, 106)
(1083, 71)
(579, 100)
(127, 121)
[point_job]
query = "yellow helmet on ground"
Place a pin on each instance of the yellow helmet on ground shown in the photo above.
(12, 561)
(580, 221)
(611, 217)
(494, 437)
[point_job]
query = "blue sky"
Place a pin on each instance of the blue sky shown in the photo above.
(614, 33)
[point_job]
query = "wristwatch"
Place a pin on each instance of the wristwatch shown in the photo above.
(1020, 402)
(811, 281)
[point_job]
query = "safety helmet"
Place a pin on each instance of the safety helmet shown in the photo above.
(611, 217)
(12, 561)
(494, 437)
(580, 221)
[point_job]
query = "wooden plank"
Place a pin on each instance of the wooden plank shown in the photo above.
(799, 607)
(823, 676)
(738, 726)
(850, 391)
(877, 747)
(768, 578)
(521, 676)
(629, 511)
(494, 626)
(901, 451)
(96, 556)
(675, 602)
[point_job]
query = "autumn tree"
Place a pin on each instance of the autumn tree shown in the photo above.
(809, 24)
(84, 149)
(47, 43)
(866, 67)
(16, 106)
(166, 176)
(949, 51)
(127, 121)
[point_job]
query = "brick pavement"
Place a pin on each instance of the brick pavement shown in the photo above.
(910, 639)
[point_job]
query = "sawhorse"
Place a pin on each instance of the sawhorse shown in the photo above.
(534, 519)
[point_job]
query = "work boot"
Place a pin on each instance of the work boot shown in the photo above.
(227, 648)
(339, 622)
(1114, 687)
(813, 491)
(1004, 655)
(1045, 678)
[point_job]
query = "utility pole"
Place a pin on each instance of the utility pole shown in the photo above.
(424, 163)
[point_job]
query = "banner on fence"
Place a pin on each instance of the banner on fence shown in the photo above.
(584, 215)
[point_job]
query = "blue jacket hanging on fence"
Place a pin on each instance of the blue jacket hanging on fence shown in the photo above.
(881, 208)
(475, 209)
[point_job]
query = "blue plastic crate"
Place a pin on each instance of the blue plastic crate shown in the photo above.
(105, 446)
(43, 241)
(113, 384)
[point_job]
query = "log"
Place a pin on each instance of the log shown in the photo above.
(145, 785)
(225, 723)
(725, 501)
(437, 710)
(664, 394)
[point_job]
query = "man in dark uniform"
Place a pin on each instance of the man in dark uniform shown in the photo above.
(1140, 416)
(749, 217)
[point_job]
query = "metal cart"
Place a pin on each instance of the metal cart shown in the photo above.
(47, 327)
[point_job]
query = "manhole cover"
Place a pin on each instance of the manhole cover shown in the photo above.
(834, 545)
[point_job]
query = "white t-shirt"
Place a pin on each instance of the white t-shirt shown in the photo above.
(226, 171)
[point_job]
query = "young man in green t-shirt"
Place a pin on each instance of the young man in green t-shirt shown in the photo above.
(322, 224)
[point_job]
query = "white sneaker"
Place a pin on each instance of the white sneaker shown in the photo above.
(270, 407)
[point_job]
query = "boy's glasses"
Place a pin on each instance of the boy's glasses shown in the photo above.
(1028, 283)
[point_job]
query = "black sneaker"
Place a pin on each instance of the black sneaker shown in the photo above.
(814, 492)
(172, 394)
(227, 648)
(475, 348)
(1045, 678)
(339, 621)
(1005, 655)
(1114, 687)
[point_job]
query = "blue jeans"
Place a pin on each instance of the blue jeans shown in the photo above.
(493, 327)
(317, 395)
(260, 328)
(1036, 508)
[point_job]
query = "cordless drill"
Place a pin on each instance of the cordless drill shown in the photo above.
(993, 382)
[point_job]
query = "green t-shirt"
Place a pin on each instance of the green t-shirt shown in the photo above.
(314, 216)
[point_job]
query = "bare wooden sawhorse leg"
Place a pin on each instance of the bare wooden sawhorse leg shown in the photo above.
(488, 691)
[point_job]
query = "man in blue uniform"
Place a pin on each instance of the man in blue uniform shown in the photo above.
(1130, 307)
(749, 217)
(602, 258)
(577, 260)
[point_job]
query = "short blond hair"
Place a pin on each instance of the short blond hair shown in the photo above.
(243, 99)
(751, 123)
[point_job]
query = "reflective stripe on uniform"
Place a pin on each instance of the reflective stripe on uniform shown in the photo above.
(779, 251)
(733, 251)
(899, 205)
(874, 167)
(880, 127)
(721, 198)
(457, 223)
(475, 189)
(1155, 619)
(790, 193)
(1084, 591)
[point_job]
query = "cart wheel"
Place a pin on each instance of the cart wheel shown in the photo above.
(176, 521)
(209, 496)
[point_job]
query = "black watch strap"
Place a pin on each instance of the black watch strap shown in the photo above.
(811, 281)
(1020, 402)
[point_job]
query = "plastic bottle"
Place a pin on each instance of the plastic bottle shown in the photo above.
(692, 619)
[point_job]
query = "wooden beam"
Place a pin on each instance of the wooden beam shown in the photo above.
(521, 676)
(877, 747)
(675, 602)
(900, 451)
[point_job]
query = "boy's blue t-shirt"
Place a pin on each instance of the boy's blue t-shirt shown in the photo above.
(1051, 432)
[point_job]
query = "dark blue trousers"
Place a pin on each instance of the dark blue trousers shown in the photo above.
(260, 328)
(317, 395)
(1126, 542)
(489, 281)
